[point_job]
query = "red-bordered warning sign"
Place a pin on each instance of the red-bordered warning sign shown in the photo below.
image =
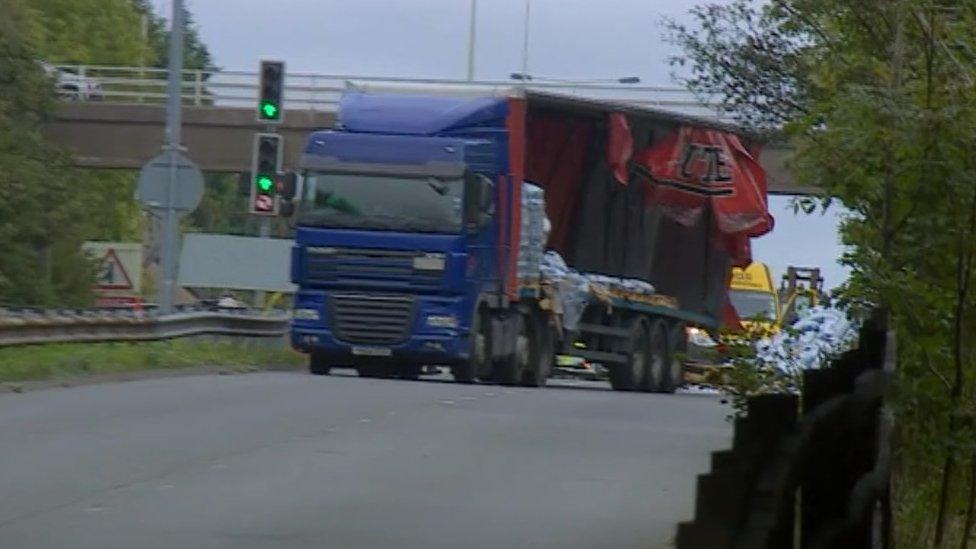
(112, 275)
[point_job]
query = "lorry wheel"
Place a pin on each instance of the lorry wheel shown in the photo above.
(380, 369)
(655, 375)
(318, 364)
(541, 352)
(628, 376)
(466, 371)
(509, 370)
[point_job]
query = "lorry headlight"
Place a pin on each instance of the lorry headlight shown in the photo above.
(429, 262)
(699, 337)
(306, 314)
(442, 321)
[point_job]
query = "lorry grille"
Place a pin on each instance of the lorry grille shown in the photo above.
(365, 266)
(371, 319)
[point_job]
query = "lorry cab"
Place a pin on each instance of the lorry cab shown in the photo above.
(396, 239)
(754, 298)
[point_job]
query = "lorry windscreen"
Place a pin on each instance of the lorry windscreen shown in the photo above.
(750, 304)
(382, 202)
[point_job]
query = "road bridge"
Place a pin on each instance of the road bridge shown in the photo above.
(218, 139)
(126, 129)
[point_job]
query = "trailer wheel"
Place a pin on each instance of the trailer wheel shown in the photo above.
(628, 376)
(674, 374)
(466, 371)
(542, 353)
(318, 364)
(509, 370)
(655, 377)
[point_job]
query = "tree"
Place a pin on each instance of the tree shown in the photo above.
(40, 261)
(106, 32)
(877, 98)
(196, 54)
(49, 208)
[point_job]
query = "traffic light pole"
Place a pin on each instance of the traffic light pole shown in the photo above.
(174, 127)
(265, 231)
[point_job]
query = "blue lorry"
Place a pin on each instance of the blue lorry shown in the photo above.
(407, 241)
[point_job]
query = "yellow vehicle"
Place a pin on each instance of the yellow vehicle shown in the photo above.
(755, 299)
(757, 304)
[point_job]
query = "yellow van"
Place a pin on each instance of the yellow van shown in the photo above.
(754, 298)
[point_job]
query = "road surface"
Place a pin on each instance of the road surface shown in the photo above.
(292, 460)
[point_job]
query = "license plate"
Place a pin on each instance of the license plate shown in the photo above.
(372, 351)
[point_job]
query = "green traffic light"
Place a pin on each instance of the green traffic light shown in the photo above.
(265, 183)
(269, 110)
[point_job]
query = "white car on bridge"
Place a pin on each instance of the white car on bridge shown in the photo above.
(72, 86)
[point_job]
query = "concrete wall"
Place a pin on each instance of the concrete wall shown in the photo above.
(105, 135)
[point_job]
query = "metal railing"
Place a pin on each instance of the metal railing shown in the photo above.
(321, 92)
(37, 326)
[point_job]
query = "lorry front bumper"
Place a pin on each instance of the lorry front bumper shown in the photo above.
(426, 348)
(434, 333)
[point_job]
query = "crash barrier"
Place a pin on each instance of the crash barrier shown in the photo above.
(815, 475)
(38, 326)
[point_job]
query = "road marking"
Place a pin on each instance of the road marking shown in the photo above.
(448, 402)
(491, 394)
(365, 420)
(96, 509)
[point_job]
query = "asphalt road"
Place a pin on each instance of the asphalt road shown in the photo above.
(291, 460)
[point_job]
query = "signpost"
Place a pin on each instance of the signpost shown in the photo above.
(170, 185)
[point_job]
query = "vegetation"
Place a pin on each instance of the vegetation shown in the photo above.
(39, 225)
(745, 374)
(47, 207)
(68, 360)
(879, 102)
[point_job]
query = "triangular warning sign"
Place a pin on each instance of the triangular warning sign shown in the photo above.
(112, 275)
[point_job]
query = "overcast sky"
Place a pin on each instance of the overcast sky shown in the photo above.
(569, 39)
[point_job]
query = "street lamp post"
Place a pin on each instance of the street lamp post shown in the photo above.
(525, 38)
(472, 28)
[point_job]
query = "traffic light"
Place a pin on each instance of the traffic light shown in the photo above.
(265, 168)
(271, 92)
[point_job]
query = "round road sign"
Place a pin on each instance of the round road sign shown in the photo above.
(153, 188)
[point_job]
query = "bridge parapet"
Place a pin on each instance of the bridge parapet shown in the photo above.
(125, 129)
(106, 135)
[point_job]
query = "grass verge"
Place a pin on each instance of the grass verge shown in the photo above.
(42, 362)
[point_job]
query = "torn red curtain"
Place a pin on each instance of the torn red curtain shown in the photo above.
(694, 169)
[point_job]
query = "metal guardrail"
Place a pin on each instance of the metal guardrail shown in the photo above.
(35, 326)
(321, 92)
